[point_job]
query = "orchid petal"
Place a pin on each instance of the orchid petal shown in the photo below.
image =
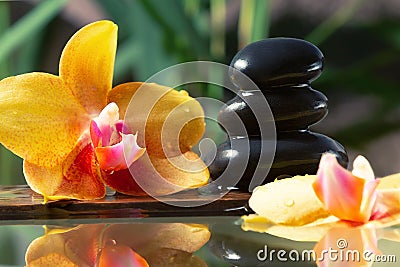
(152, 106)
(388, 197)
(121, 155)
(123, 182)
(41, 120)
(387, 203)
(158, 176)
(95, 134)
(78, 177)
(362, 168)
(298, 205)
(102, 127)
(344, 195)
(87, 64)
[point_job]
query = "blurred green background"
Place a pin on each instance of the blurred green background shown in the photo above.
(359, 38)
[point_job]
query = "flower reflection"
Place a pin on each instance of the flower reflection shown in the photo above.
(338, 243)
(100, 245)
(347, 246)
(119, 256)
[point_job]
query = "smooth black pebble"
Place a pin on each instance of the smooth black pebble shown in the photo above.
(293, 108)
(297, 153)
(282, 68)
(277, 62)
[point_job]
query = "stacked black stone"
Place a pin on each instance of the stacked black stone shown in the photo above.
(282, 68)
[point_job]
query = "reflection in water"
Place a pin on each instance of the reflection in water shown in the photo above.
(338, 243)
(115, 245)
(347, 246)
(222, 243)
(239, 248)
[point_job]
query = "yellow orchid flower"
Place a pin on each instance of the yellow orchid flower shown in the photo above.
(68, 128)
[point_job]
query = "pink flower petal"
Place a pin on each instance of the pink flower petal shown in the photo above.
(95, 134)
(344, 195)
(121, 127)
(121, 155)
(105, 124)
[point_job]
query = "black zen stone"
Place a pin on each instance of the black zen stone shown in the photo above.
(277, 62)
(283, 69)
(297, 153)
(296, 108)
(293, 108)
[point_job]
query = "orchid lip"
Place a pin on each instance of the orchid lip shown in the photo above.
(116, 147)
(121, 155)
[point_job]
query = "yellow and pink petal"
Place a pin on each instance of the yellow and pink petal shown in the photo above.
(78, 177)
(121, 155)
(167, 120)
(115, 146)
(103, 128)
(343, 194)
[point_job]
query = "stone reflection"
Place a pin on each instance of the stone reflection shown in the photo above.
(137, 244)
(240, 248)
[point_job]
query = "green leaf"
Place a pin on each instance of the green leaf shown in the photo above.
(260, 21)
(178, 27)
(4, 24)
(128, 54)
(29, 25)
(253, 21)
(10, 168)
(121, 13)
(217, 37)
(150, 56)
(334, 22)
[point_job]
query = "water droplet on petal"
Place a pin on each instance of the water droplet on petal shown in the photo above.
(109, 190)
(110, 242)
(289, 202)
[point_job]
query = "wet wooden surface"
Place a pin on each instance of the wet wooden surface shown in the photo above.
(21, 203)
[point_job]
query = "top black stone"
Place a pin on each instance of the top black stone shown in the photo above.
(276, 62)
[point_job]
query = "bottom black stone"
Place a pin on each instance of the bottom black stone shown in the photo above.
(297, 153)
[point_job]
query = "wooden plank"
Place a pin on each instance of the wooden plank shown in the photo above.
(21, 203)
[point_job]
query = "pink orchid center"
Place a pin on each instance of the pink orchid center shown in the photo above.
(116, 147)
